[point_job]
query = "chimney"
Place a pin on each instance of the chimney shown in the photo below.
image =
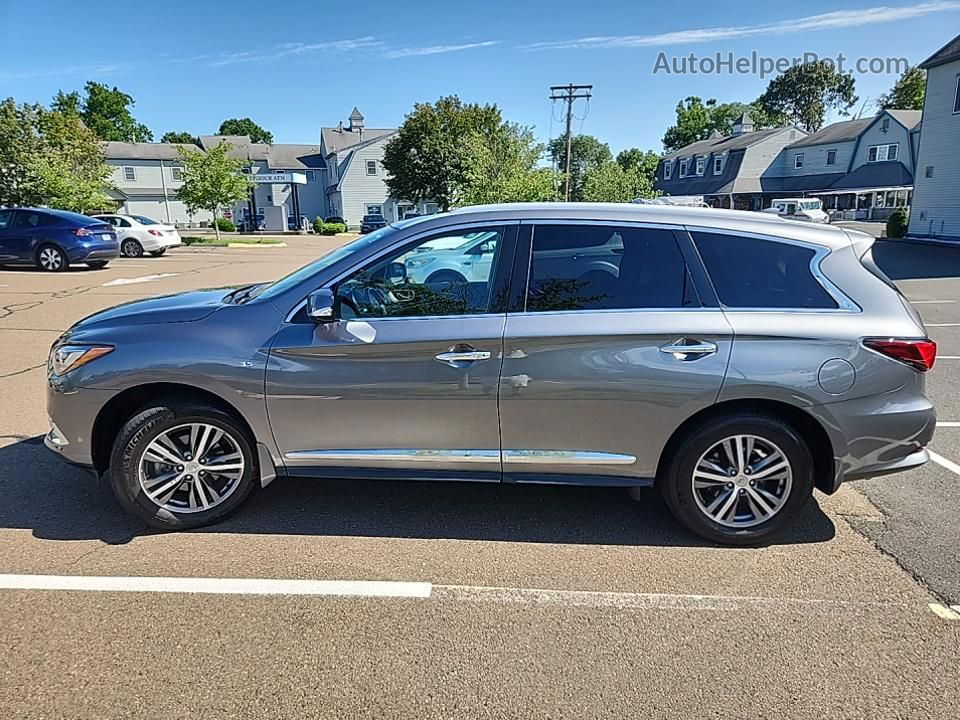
(340, 127)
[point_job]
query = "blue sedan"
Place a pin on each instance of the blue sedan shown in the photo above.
(55, 239)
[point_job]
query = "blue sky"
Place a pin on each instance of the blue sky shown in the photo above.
(297, 65)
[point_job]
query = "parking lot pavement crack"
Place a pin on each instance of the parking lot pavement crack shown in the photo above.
(8, 310)
(23, 371)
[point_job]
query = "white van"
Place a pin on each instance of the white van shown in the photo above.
(805, 209)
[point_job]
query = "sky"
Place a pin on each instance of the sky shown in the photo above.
(299, 65)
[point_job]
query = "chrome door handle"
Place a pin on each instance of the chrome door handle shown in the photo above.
(463, 356)
(684, 347)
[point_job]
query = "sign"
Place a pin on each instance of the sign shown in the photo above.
(280, 178)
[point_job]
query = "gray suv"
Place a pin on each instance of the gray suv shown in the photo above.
(733, 360)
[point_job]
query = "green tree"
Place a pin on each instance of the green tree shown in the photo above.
(212, 180)
(907, 92)
(614, 183)
(586, 153)
(643, 161)
(246, 126)
(174, 136)
(806, 93)
(502, 168)
(697, 119)
(104, 110)
(19, 150)
(428, 157)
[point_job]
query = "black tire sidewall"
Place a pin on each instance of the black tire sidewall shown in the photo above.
(64, 259)
(677, 486)
(138, 253)
(146, 425)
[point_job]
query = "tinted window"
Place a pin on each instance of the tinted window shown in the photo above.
(753, 273)
(5, 217)
(26, 219)
(444, 274)
(590, 267)
(143, 220)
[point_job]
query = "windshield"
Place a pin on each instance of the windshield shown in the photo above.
(325, 261)
(143, 220)
(811, 205)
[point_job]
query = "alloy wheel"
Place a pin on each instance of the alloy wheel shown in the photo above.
(742, 481)
(51, 258)
(191, 468)
(131, 248)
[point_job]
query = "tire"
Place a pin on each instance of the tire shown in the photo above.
(158, 253)
(446, 276)
(52, 259)
(97, 264)
(131, 248)
(184, 506)
(748, 522)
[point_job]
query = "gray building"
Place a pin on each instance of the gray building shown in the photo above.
(936, 208)
(726, 169)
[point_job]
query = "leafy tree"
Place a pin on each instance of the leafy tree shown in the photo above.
(428, 157)
(503, 168)
(245, 126)
(907, 92)
(586, 153)
(104, 110)
(697, 119)
(804, 94)
(174, 136)
(643, 161)
(614, 183)
(49, 157)
(212, 180)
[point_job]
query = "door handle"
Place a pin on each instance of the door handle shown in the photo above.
(685, 347)
(455, 356)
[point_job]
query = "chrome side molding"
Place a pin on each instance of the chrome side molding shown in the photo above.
(521, 457)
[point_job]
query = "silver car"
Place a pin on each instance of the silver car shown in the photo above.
(735, 361)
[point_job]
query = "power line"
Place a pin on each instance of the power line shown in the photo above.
(569, 94)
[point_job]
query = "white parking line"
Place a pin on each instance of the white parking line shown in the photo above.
(948, 424)
(142, 279)
(944, 612)
(948, 357)
(931, 302)
(226, 586)
(943, 462)
(942, 324)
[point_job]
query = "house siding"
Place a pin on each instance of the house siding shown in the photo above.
(936, 200)
(815, 159)
(874, 135)
(151, 176)
(357, 189)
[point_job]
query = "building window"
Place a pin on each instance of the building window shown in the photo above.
(129, 172)
(798, 161)
(371, 167)
(831, 157)
(311, 175)
(667, 169)
(683, 167)
(956, 97)
(717, 165)
(701, 166)
(882, 153)
(374, 209)
(177, 173)
(929, 171)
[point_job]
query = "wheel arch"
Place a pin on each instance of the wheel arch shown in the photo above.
(810, 429)
(122, 406)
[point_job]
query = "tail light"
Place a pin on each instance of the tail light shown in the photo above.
(156, 233)
(918, 354)
(82, 232)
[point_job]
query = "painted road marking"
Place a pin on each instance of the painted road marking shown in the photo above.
(948, 357)
(141, 279)
(226, 586)
(948, 424)
(942, 461)
(931, 302)
(944, 612)
(942, 324)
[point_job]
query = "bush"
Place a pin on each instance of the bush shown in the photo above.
(226, 225)
(325, 228)
(897, 223)
(318, 225)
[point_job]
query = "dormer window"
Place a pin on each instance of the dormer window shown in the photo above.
(718, 165)
(798, 161)
(701, 165)
(667, 169)
(684, 164)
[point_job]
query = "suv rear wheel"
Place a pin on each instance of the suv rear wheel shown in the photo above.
(739, 479)
(180, 466)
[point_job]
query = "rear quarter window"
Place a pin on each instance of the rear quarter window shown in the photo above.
(751, 272)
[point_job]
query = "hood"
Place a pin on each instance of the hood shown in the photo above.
(183, 307)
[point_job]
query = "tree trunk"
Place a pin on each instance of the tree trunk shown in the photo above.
(216, 225)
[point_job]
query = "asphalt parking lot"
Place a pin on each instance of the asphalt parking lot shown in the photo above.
(524, 601)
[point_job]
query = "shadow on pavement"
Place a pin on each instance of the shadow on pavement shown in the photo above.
(57, 501)
(909, 260)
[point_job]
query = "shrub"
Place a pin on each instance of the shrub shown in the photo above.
(226, 225)
(318, 225)
(897, 223)
(325, 228)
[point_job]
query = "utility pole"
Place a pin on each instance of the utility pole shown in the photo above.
(569, 93)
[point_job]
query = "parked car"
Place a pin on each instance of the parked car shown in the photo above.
(293, 225)
(803, 209)
(371, 223)
(335, 219)
(139, 234)
(734, 361)
(54, 239)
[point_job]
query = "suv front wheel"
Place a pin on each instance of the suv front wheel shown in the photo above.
(739, 479)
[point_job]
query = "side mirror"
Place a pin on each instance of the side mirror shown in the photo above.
(320, 305)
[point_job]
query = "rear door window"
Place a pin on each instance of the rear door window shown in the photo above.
(5, 217)
(751, 272)
(606, 267)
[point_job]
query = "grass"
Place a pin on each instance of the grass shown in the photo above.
(226, 239)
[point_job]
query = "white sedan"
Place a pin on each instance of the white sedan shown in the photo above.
(138, 234)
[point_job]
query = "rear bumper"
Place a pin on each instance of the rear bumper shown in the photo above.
(94, 252)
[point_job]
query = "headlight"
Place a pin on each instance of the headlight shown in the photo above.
(419, 262)
(65, 358)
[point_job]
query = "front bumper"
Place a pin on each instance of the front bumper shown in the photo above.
(73, 412)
